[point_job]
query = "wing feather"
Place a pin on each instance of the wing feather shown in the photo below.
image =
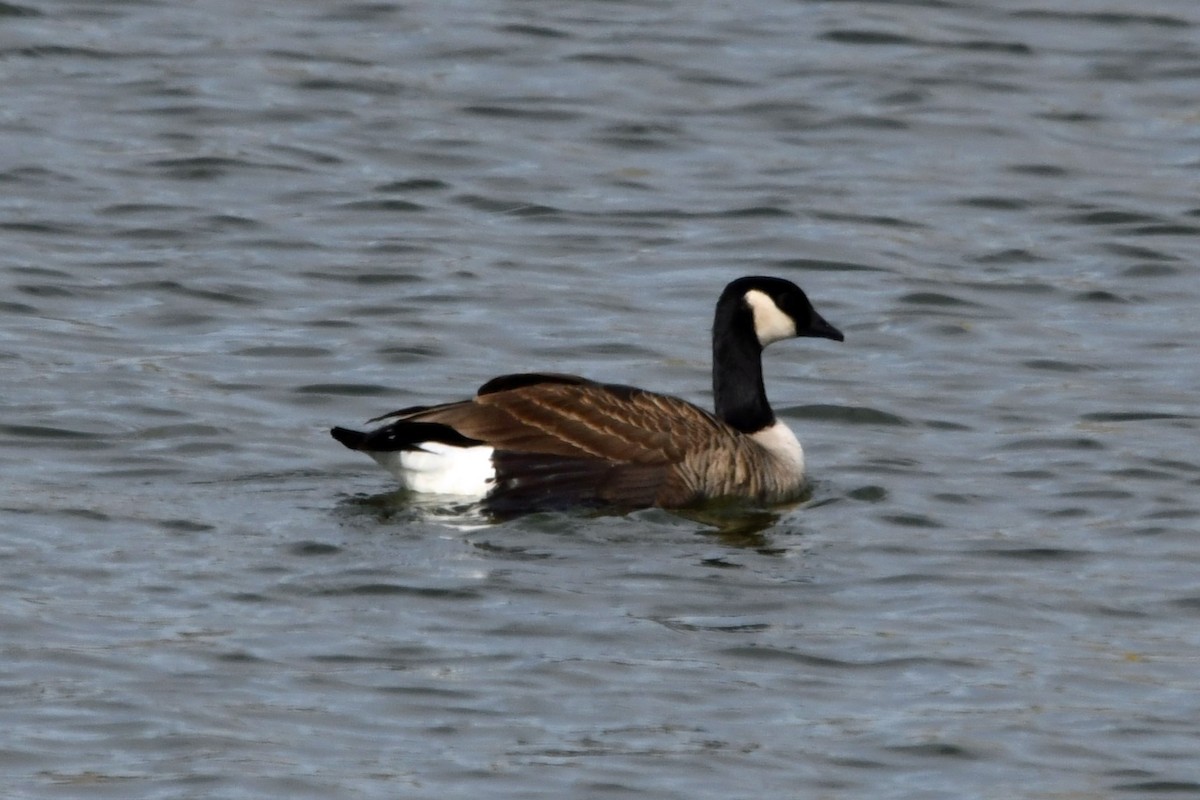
(577, 418)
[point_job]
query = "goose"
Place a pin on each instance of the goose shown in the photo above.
(544, 440)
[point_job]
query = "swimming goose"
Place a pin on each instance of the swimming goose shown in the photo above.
(546, 440)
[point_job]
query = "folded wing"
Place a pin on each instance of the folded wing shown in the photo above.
(571, 440)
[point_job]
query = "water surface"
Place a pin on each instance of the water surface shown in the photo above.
(229, 226)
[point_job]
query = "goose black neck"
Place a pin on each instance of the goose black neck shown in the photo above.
(739, 396)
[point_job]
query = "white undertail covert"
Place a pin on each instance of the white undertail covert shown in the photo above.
(439, 468)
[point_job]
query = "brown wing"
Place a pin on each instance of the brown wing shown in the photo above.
(576, 418)
(562, 440)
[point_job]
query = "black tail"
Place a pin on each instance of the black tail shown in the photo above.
(352, 439)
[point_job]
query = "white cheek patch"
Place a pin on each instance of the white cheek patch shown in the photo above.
(770, 323)
(442, 469)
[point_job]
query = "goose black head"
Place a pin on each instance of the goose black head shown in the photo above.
(778, 309)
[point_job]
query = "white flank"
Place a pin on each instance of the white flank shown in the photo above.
(442, 468)
(770, 323)
(780, 442)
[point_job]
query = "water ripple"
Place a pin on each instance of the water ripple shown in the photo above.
(229, 228)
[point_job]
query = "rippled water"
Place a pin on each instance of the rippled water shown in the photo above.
(228, 226)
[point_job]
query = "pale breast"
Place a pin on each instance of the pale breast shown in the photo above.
(782, 444)
(767, 466)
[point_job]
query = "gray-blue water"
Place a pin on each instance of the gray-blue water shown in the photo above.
(227, 226)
